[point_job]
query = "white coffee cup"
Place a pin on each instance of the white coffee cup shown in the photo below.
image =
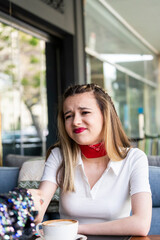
(58, 229)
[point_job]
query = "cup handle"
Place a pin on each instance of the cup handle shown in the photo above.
(38, 230)
(79, 237)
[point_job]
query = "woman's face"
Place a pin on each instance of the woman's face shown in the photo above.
(83, 118)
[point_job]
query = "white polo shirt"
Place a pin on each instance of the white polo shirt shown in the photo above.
(110, 197)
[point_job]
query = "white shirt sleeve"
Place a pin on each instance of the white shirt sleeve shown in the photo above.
(51, 166)
(139, 179)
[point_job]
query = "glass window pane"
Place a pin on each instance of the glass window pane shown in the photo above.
(124, 66)
(108, 37)
(151, 128)
(129, 95)
(23, 104)
(135, 93)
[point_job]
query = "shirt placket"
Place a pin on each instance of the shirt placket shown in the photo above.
(87, 186)
(97, 185)
(91, 193)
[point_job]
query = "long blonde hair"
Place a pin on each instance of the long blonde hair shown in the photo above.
(116, 141)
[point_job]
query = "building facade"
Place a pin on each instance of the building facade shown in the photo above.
(47, 45)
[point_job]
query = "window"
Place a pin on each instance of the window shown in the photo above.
(119, 62)
(23, 104)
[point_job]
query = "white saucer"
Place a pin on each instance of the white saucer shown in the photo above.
(83, 237)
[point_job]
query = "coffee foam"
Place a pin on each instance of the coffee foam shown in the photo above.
(59, 222)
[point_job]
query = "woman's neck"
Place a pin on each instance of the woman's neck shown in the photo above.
(96, 161)
(94, 151)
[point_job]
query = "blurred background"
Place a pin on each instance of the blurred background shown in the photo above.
(47, 45)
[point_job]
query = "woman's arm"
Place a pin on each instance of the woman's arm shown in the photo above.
(137, 224)
(42, 198)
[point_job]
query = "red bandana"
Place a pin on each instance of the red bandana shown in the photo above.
(93, 151)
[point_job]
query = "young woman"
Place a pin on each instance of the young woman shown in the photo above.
(101, 177)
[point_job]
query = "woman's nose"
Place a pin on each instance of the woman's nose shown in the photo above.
(77, 119)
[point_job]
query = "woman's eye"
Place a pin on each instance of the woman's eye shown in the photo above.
(66, 117)
(85, 112)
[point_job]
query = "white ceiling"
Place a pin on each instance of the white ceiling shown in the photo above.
(143, 16)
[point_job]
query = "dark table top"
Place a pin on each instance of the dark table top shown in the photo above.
(100, 238)
(108, 237)
(151, 237)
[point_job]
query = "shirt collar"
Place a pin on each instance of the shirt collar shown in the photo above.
(114, 165)
(79, 159)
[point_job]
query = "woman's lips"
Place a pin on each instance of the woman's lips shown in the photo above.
(79, 130)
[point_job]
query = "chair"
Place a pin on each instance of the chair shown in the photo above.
(154, 178)
(154, 160)
(8, 178)
(15, 160)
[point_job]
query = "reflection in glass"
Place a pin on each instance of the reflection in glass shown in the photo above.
(124, 66)
(22, 92)
(128, 94)
(107, 36)
(95, 71)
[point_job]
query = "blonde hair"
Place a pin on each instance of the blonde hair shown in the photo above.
(116, 141)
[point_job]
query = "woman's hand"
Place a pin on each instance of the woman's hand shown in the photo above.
(38, 202)
(42, 198)
(37, 198)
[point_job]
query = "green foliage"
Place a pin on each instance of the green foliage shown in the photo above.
(44, 78)
(36, 80)
(11, 66)
(32, 82)
(43, 51)
(6, 38)
(23, 37)
(4, 25)
(25, 81)
(8, 71)
(34, 59)
(35, 99)
(34, 41)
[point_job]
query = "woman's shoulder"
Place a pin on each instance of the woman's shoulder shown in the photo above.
(136, 151)
(55, 154)
(136, 155)
(56, 151)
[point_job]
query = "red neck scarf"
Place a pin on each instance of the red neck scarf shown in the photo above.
(93, 151)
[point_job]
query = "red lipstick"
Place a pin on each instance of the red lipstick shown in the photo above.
(79, 130)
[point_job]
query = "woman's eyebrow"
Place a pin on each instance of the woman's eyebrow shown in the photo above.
(81, 108)
(67, 112)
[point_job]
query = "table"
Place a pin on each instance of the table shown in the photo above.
(108, 237)
(151, 237)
